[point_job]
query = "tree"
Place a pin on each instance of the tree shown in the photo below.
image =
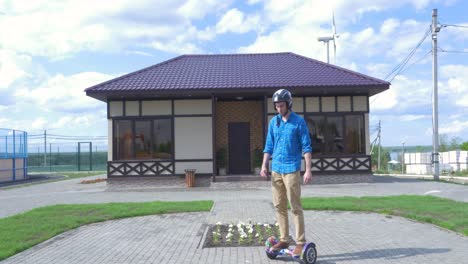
(455, 143)
(443, 143)
(384, 157)
(464, 146)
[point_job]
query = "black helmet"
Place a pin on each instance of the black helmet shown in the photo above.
(282, 95)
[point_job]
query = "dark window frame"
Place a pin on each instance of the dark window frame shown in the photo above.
(344, 124)
(115, 155)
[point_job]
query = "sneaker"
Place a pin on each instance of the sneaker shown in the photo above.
(298, 250)
(280, 245)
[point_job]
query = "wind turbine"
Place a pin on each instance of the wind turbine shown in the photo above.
(327, 40)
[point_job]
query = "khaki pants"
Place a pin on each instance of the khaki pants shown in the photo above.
(288, 187)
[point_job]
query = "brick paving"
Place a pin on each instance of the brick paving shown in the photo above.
(341, 237)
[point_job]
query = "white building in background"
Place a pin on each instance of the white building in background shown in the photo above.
(451, 161)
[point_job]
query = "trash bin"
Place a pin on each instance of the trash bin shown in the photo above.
(189, 178)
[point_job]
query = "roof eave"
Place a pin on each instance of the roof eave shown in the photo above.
(369, 90)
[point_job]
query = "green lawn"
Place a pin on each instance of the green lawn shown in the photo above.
(445, 213)
(22, 231)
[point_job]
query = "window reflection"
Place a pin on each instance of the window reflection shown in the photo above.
(330, 136)
(152, 139)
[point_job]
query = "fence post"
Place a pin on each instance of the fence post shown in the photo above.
(14, 156)
(90, 156)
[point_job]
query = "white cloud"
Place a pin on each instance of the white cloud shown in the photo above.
(39, 123)
(12, 68)
(200, 8)
(4, 122)
(409, 118)
(305, 42)
(454, 127)
(65, 93)
(176, 46)
(389, 26)
(456, 84)
(404, 94)
(235, 21)
(64, 28)
(384, 101)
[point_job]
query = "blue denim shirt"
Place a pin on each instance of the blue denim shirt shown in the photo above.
(286, 142)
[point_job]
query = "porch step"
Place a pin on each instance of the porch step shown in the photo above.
(236, 178)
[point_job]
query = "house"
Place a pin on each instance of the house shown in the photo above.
(180, 113)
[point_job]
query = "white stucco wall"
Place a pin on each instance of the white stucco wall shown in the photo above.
(312, 104)
(110, 137)
(115, 108)
(328, 104)
(200, 166)
(192, 107)
(193, 138)
(298, 105)
(344, 103)
(157, 107)
(132, 108)
(360, 103)
(366, 129)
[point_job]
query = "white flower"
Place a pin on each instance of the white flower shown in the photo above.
(219, 223)
(266, 225)
(251, 231)
(231, 225)
(256, 235)
(276, 224)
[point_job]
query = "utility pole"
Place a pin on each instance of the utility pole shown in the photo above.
(402, 157)
(378, 160)
(45, 148)
(435, 119)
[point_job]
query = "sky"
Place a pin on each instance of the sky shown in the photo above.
(50, 51)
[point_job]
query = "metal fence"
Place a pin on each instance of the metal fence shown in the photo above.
(67, 156)
(13, 154)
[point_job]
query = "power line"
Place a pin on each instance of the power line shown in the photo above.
(452, 25)
(399, 68)
(452, 51)
(417, 61)
(402, 64)
(73, 136)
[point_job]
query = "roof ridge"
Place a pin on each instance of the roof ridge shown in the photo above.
(135, 72)
(340, 68)
(235, 54)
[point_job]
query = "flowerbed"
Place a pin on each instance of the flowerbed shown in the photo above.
(240, 235)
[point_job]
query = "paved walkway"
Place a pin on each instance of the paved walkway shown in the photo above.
(341, 237)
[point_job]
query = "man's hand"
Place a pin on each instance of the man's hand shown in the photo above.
(264, 172)
(307, 176)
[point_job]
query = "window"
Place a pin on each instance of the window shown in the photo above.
(327, 134)
(123, 134)
(355, 134)
(316, 126)
(162, 144)
(152, 139)
(334, 135)
(143, 139)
